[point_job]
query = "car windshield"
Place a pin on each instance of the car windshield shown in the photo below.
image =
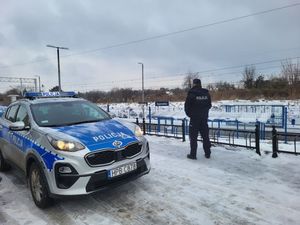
(55, 114)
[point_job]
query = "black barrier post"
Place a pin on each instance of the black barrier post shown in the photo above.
(144, 126)
(137, 121)
(183, 130)
(257, 144)
(274, 142)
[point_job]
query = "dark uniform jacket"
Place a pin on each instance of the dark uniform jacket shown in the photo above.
(197, 103)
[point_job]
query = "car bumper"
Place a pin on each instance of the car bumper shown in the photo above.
(98, 180)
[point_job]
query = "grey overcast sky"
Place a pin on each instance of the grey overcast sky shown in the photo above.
(27, 26)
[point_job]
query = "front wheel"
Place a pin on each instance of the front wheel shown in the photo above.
(3, 165)
(38, 187)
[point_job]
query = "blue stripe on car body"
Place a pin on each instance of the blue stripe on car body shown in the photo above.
(24, 144)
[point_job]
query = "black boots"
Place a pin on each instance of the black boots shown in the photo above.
(189, 156)
(207, 156)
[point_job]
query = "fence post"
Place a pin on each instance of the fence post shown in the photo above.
(183, 130)
(186, 126)
(150, 115)
(285, 124)
(107, 108)
(144, 126)
(274, 142)
(158, 124)
(237, 129)
(137, 121)
(172, 124)
(257, 139)
(219, 126)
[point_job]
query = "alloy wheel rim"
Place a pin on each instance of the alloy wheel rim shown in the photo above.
(36, 185)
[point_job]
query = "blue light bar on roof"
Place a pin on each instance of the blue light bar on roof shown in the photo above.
(49, 94)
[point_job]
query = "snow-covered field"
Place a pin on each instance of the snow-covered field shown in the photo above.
(235, 186)
(175, 110)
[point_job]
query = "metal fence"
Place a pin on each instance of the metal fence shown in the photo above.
(238, 138)
(283, 137)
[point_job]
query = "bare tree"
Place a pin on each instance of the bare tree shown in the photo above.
(188, 79)
(249, 76)
(223, 86)
(291, 73)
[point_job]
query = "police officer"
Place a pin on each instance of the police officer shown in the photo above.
(196, 106)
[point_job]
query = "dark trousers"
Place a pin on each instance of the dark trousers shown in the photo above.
(196, 126)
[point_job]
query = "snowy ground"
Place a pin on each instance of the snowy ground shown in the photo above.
(233, 187)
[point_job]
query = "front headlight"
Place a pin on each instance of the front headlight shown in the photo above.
(64, 145)
(138, 132)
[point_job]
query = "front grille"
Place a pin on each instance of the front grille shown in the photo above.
(107, 157)
(101, 158)
(132, 150)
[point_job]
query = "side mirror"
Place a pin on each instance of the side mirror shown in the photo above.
(17, 126)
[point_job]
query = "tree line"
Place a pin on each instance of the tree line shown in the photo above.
(254, 85)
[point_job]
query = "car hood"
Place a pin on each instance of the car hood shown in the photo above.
(107, 134)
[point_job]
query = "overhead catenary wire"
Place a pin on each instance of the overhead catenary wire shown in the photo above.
(171, 76)
(165, 34)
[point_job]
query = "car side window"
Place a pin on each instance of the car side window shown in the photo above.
(90, 112)
(22, 115)
(11, 113)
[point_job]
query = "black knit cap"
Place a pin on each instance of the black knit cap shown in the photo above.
(197, 81)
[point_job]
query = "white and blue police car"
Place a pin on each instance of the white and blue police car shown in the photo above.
(69, 146)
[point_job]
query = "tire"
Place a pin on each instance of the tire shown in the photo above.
(38, 187)
(3, 165)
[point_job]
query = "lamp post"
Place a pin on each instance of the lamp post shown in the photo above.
(39, 82)
(143, 91)
(58, 63)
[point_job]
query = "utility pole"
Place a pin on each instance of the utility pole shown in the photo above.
(58, 63)
(39, 82)
(35, 84)
(143, 90)
(21, 86)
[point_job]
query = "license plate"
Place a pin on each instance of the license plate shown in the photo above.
(122, 170)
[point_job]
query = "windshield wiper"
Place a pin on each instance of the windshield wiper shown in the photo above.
(85, 121)
(75, 123)
(53, 125)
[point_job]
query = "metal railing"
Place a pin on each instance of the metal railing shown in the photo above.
(217, 135)
(238, 138)
(283, 136)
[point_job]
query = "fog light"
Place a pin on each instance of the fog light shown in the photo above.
(64, 169)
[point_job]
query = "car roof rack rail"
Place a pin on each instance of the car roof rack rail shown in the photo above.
(55, 94)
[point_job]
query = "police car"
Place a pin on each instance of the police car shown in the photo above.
(69, 146)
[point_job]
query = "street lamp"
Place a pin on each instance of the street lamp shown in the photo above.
(39, 82)
(143, 91)
(58, 64)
